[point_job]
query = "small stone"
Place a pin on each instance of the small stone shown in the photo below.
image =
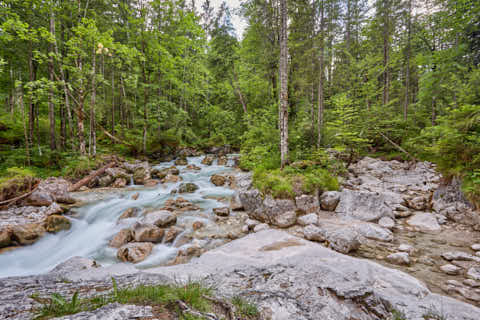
(474, 273)
(56, 223)
(207, 160)
(251, 223)
(193, 167)
(171, 234)
(424, 222)
(386, 222)
(161, 218)
(245, 229)
(222, 212)
(151, 183)
(417, 203)
(399, 258)
(285, 219)
(260, 227)
(313, 233)
(187, 187)
(181, 162)
(450, 269)
(307, 203)
(129, 213)
(197, 225)
(472, 283)
(406, 248)
(476, 247)
(307, 219)
(135, 196)
(459, 255)
(119, 183)
(171, 178)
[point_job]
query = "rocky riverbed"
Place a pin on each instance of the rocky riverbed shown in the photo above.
(395, 239)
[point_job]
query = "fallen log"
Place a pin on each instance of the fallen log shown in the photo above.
(9, 202)
(88, 178)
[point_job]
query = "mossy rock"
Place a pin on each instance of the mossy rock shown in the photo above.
(56, 223)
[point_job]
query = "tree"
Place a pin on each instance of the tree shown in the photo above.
(283, 71)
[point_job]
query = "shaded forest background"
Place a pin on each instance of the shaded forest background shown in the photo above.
(79, 79)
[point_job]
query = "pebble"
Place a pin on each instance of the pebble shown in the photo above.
(400, 258)
(474, 273)
(476, 247)
(406, 248)
(387, 222)
(450, 269)
(260, 227)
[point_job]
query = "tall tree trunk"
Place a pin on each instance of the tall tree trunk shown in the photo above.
(51, 105)
(407, 73)
(25, 131)
(283, 84)
(386, 52)
(31, 109)
(320, 79)
(113, 100)
(80, 114)
(236, 87)
(93, 134)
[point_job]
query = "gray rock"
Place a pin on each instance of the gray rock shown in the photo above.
(475, 247)
(474, 273)
(114, 311)
(251, 223)
(386, 222)
(424, 222)
(400, 258)
(260, 227)
(460, 256)
(307, 203)
(472, 283)
(105, 181)
(50, 190)
(285, 219)
(235, 203)
(406, 248)
(329, 200)
(450, 269)
(75, 264)
(313, 233)
(161, 218)
(417, 203)
(251, 200)
(272, 209)
(307, 219)
(222, 212)
(365, 206)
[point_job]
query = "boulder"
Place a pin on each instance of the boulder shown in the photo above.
(161, 218)
(386, 222)
(73, 265)
(40, 199)
(222, 161)
(124, 236)
(181, 162)
(261, 227)
(313, 233)
(141, 173)
(329, 200)
(419, 203)
(143, 232)
(157, 173)
(207, 160)
(28, 233)
(134, 252)
(222, 212)
(400, 258)
(235, 203)
(307, 203)
(365, 206)
(251, 200)
(218, 180)
(343, 242)
(118, 173)
(250, 223)
(285, 219)
(54, 208)
(50, 190)
(171, 178)
(459, 256)
(56, 223)
(307, 219)
(105, 181)
(271, 209)
(5, 237)
(187, 187)
(193, 167)
(424, 222)
(450, 269)
(406, 248)
(474, 273)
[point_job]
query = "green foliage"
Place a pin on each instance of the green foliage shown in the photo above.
(398, 315)
(59, 306)
(245, 308)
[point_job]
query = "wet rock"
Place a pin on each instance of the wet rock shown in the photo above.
(417, 203)
(170, 178)
(5, 237)
(28, 233)
(56, 223)
(124, 236)
(307, 219)
(181, 162)
(171, 233)
(474, 273)
(307, 203)
(329, 200)
(75, 264)
(187, 187)
(161, 218)
(207, 160)
(475, 247)
(119, 183)
(222, 212)
(450, 269)
(285, 219)
(386, 222)
(197, 225)
(261, 227)
(40, 198)
(129, 213)
(459, 255)
(135, 196)
(400, 258)
(365, 206)
(193, 167)
(141, 173)
(313, 233)
(222, 161)
(218, 180)
(143, 232)
(54, 208)
(134, 252)
(424, 222)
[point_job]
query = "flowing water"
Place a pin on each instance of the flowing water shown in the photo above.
(94, 224)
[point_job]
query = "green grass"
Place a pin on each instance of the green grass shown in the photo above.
(192, 293)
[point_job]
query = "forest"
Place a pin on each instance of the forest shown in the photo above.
(397, 79)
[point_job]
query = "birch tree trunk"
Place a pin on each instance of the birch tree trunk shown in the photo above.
(93, 134)
(51, 105)
(321, 99)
